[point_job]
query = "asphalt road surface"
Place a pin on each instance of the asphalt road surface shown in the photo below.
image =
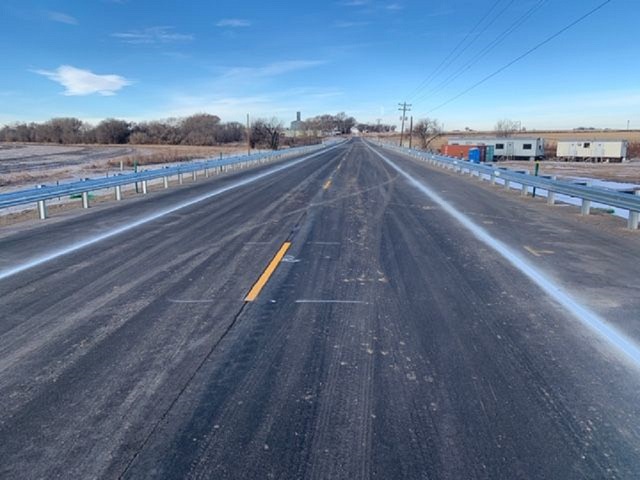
(385, 341)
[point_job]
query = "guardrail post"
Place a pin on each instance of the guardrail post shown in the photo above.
(180, 178)
(585, 209)
(551, 196)
(145, 189)
(632, 223)
(206, 173)
(525, 190)
(42, 207)
(507, 184)
(118, 192)
(194, 175)
(85, 199)
(494, 177)
(165, 181)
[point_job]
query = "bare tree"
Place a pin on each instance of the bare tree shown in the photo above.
(375, 128)
(266, 133)
(506, 128)
(344, 123)
(112, 131)
(200, 129)
(427, 130)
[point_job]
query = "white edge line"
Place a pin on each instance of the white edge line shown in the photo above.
(614, 337)
(129, 226)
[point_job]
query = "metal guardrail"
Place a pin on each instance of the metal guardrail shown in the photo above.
(629, 201)
(42, 193)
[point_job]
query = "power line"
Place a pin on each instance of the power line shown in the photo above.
(526, 54)
(486, 50)
(433, 74)
(472, 42)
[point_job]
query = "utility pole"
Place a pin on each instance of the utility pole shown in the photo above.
(404, 108)
(248, 136)
(411, 133)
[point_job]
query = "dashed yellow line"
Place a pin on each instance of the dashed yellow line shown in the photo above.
(327, 185)
(266, 275)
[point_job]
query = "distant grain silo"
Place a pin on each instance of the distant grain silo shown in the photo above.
(297, 125)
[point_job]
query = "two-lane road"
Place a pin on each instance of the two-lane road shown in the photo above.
(390, 342)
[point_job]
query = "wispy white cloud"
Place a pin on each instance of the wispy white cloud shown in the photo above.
(272, 69)
(354, 3)
(152, 35)
(347, 24)
(61, 18)
(234, 23)
(393, 6)
(78, 82)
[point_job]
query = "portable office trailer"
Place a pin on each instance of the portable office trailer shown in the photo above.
(593, 150)
(507, 148)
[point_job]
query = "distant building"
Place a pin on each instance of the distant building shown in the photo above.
(297, 125)
(515, 148)
(593, 150)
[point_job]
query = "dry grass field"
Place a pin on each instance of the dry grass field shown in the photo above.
(160, 154)
(25, 165)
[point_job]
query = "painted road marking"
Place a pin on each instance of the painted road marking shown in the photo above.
(266, 275)
(538, 253)
(327, 185)
(618, 340)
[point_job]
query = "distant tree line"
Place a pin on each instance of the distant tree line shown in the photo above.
(375, 128)
(200, 129)
(330, 124)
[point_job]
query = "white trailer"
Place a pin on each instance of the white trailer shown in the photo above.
(508, 148)
(593, 150)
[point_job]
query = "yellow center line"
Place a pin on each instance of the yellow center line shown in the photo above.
(266, 275)
(327, 185)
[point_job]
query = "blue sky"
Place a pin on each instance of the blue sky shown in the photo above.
(153, 59)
